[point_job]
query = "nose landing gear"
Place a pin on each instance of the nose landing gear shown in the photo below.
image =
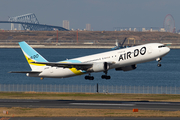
(159, 62)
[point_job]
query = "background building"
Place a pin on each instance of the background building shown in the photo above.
(88, 27)
(66, 24)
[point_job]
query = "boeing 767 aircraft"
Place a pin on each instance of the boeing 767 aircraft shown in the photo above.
(123, 59)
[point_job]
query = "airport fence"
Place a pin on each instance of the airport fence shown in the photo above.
(89, 88)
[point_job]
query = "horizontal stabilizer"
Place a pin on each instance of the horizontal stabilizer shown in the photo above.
(25, 71)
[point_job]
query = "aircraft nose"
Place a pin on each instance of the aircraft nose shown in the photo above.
(167, 49)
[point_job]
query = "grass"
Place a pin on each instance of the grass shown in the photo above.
(72, 112)
(90, 96)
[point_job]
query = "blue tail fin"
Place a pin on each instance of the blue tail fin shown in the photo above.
(31, 55)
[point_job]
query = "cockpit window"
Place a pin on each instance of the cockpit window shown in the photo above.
(161, 46)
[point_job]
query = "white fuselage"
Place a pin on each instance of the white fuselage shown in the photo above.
(120, 58)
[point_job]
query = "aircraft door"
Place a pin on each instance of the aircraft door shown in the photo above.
(51, 69)
(150, 50)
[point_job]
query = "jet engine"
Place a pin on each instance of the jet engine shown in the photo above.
(99, 67)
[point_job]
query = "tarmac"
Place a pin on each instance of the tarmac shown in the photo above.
(91, 104)
(141, 105)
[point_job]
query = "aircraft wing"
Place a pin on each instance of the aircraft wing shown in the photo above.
(78, 66)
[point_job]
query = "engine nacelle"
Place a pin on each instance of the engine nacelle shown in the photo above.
(99, 67)
(127, 68)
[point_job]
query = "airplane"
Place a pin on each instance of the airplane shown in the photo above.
(122, 59)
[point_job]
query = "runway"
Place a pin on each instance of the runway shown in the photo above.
(86, 104)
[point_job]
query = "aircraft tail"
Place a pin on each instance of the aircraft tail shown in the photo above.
(31, 56)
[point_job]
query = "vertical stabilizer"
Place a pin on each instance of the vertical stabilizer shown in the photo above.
(32, 55)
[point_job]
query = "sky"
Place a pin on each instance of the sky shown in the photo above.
(101, 14)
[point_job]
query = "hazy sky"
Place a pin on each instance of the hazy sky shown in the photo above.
(101, 14)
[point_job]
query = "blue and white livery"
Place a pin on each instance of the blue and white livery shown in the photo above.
(123, 59)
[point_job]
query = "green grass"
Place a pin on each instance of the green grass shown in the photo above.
(90, 96)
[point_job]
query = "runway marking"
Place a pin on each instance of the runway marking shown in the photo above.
(151, 103)
(102, 104)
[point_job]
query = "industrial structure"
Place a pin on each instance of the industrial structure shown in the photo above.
(30, 22)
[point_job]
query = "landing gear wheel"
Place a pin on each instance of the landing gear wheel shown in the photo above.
(86, 77)
(106, 77)
(103, 76)
(159, 65)
(159, 62)
(89, 77)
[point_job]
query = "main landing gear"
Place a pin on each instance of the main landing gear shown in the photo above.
(89, 77)
(159, 62)
(105, 76)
